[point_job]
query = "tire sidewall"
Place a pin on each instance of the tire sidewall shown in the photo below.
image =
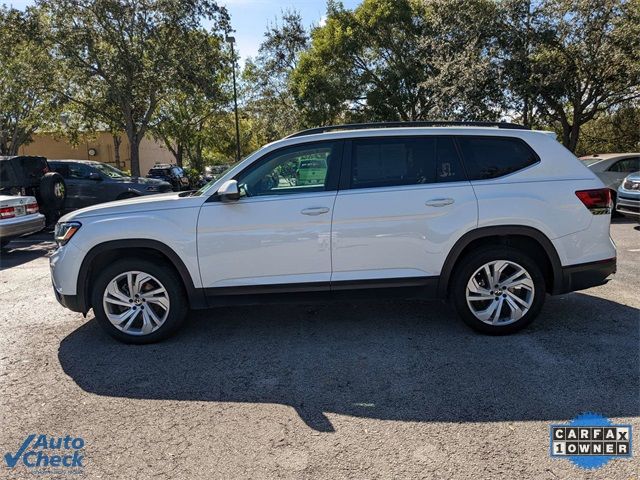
(475, 260)
(48, 189)
(169, 279)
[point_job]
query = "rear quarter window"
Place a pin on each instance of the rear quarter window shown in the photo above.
(492, 157)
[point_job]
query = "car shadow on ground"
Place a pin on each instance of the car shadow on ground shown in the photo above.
(410, 361)
(26, 249)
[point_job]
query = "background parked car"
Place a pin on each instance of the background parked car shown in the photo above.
(629, 196)
(89, 183)
(19, 216)
(612, 168)
(173, 174)
(32, 176)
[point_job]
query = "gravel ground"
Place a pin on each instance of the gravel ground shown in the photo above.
(365, 390)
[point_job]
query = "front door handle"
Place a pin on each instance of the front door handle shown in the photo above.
(439, 202)
(314, 211)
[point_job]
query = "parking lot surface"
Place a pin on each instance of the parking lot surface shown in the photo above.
(362, 390)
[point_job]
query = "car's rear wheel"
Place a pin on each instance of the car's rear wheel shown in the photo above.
(137, 301)
(498, 290)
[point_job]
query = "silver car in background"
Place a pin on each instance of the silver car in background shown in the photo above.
(612, 168)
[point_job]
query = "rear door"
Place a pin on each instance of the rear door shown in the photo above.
(406, 203)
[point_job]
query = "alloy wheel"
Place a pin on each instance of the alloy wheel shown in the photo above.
(500, 292)
(136, 303)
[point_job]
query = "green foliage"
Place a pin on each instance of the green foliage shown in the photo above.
(615, 132)
(267, 95)
(26, 73)
(123, 57)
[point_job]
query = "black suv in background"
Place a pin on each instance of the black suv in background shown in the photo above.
(32, 175)
(170, 173)
(89, 182)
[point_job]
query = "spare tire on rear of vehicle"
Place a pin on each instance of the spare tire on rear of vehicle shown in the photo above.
(53, 191)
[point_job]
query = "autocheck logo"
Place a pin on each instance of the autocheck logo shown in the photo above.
(46, 453)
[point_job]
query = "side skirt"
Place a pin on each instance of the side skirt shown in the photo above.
(323, 292)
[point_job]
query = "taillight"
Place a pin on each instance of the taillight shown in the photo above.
(598, 200)
(7, 212)
(32, 208)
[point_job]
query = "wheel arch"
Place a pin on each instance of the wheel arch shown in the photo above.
(105, 252)
(518, 235)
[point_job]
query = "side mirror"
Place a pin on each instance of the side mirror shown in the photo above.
(94, 176)
(228, 191)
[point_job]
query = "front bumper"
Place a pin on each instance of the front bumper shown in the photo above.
(16, 227)
(586, 275)
(628, 206)
(72, 302)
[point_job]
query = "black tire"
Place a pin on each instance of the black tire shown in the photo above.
(169, 279)
(53, 191)
(468, 266)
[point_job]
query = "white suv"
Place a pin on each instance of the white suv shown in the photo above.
(493, 216)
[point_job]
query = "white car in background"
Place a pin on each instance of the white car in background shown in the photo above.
(19, 215)
(491, 216)
(612, 168)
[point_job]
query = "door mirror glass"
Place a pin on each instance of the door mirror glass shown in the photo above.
(229, 191)
(94, 176)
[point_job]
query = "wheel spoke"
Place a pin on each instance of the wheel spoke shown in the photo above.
(130, 283)
(120, 318)
(516, 311)
(140, 280)
(162, 301)
(147, 326)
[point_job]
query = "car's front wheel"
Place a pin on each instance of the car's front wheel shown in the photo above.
(138, 301)
(498, 290)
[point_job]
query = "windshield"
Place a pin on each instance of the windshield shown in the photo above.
(109, 171)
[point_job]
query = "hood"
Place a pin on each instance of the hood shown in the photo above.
(162, 201)
(634, 177)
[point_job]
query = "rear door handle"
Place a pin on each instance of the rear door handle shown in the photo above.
(439, 202)
(314, 211)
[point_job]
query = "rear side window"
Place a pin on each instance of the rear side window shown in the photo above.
(628, 165)
(491, 157)
(384, 162)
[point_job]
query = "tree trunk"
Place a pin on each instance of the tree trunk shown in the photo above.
(134, 150)
(117, 140)
(179, 155)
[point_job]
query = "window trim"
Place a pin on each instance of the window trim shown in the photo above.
(347, 161)
(333, 173)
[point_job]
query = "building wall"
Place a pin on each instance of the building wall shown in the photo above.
(151, 151)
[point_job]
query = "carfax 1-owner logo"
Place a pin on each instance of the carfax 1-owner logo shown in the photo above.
(46, 454)
(590, 441)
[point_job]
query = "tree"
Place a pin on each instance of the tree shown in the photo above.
(618, 131)
(585, 60)
(184, 116)
(128, 54)
(267, 78)
(26, 72)
(364, 63)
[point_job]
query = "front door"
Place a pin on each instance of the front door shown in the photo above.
(407, 203)
(278, 233)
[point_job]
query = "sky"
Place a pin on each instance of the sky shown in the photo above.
(249, 18)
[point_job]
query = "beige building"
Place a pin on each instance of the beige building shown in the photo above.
(100, 148)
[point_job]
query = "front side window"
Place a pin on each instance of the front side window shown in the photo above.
(491, 157)
(297, 169)
(384, 162)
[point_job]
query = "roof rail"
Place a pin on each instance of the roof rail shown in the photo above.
(441, 123)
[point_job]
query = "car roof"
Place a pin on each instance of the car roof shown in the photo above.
(609, 156)
(70, 160)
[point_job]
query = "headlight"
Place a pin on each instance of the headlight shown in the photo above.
(153, 188)
(64, 231)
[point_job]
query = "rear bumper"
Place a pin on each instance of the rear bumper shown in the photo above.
(586, 275)
(16, 227)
